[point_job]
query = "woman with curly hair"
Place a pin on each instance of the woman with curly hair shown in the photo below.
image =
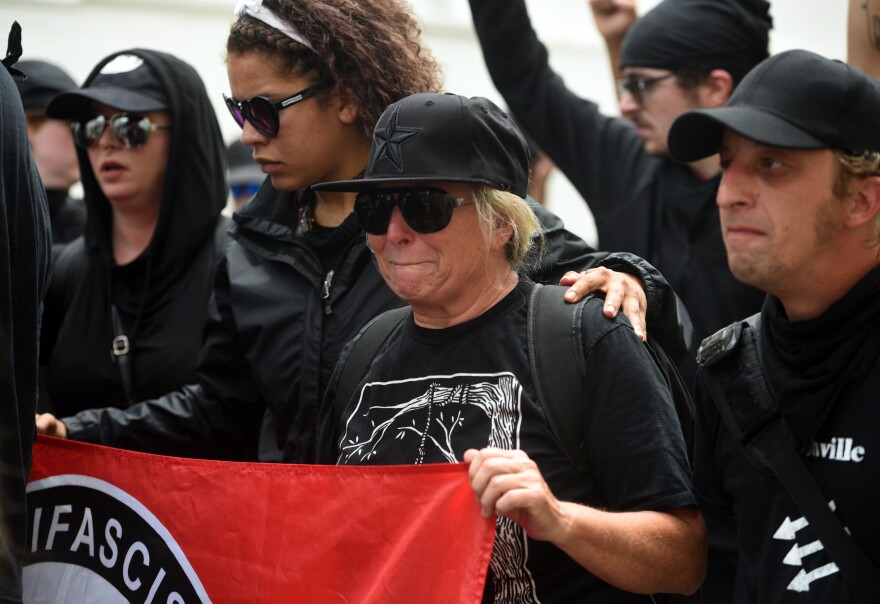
(308, 81)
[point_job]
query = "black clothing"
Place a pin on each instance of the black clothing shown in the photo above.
(162, 295)
(434, 393)
(24, 276)
(68, 216)
(824, 374)
(636, 199)
(277, 324)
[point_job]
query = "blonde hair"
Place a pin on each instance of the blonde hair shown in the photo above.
(853, 167)
(497, 209)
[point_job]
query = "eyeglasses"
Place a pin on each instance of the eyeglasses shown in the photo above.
(426, 210)
(263, 113)
(131, 130)
(638, 86)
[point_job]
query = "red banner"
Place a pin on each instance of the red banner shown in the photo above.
(110, 525)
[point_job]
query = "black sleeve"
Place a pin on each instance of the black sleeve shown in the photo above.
(601, 156)
(633, 437)
(217, 418)
(24, 275)
(668, 321)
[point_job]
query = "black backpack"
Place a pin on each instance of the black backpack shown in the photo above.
(551, 321)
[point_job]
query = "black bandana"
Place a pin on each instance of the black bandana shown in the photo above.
(814, 364)
(700, 34)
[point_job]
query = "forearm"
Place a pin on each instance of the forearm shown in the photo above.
(863, 36)
(641, 552)
(186, 423)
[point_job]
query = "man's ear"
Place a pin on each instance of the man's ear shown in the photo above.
(864, 205)
(716, 89)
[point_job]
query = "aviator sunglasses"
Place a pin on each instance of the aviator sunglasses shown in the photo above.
(263, 113)
(132, 130)
(426, 210)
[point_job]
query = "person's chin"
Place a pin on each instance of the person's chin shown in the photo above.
(655, 148)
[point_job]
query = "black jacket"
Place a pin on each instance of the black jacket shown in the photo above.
(68, 216)
(650, 206)
(162, 295)
(278, 322)
(24, 276)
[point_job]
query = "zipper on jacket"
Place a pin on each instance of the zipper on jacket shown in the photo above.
(325, 292)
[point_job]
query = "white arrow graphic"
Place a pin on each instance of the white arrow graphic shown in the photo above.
(796, 554)
(789, 528)
(803, 579)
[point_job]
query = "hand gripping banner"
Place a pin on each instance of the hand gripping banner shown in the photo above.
(108, 525)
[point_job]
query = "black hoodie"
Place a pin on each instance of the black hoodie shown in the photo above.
(25, 241)
(162, 295)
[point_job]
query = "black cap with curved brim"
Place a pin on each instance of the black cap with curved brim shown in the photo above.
(44, 81)
(796, 100)
(444, 137)
(125, 83)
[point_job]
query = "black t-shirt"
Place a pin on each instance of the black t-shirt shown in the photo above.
(437, 392)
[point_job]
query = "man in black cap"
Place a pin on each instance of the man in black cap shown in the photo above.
(681, 55)
(52, 145)
(443, 202)
(786, 454)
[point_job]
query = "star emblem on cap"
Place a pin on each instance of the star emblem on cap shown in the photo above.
(389, 139)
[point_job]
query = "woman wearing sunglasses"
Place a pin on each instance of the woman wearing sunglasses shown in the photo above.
(450, 232)
(124, 315)
(308, 81)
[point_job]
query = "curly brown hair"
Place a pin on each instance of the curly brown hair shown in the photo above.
(371, 48)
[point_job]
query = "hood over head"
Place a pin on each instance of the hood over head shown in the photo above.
(194, 192)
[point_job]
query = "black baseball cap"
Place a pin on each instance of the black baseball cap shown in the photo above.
(125, 83)
(797, 100)
(44, 81)
(444, 137)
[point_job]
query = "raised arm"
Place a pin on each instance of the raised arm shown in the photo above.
(863, 36)
(613, 19)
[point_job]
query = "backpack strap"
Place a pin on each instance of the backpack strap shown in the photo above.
(364, 349)
(731, 362)
(557, 369)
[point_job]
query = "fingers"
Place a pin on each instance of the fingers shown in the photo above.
(50, 425)
(584, 282)
(495, 472)
(509, 483)
(622, 291)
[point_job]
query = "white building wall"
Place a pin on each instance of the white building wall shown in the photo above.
(76, 34)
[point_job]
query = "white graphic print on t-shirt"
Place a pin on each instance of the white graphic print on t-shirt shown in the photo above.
(436, 418)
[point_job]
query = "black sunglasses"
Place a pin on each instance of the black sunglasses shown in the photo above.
(131, 129)
(426, 210)
(263, 113)
(638, 86)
